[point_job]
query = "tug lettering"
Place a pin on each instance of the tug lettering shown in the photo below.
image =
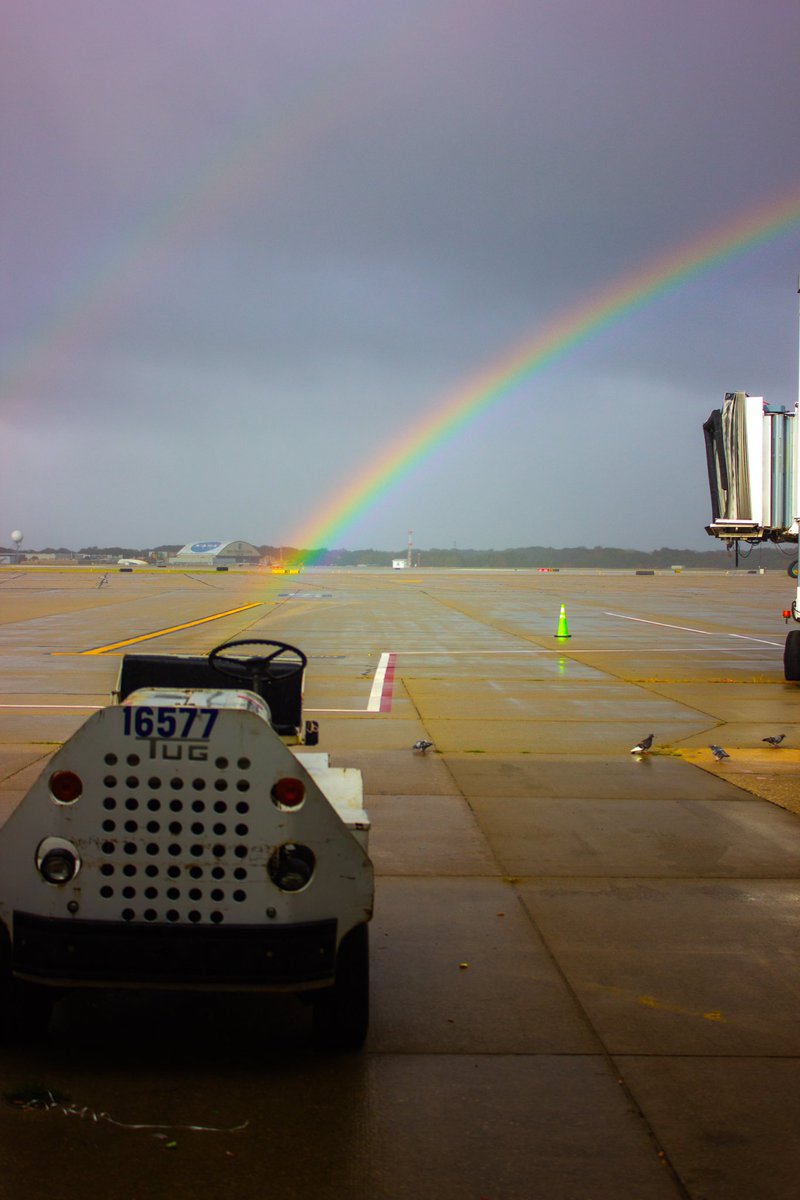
(174, 751)
(143, 721)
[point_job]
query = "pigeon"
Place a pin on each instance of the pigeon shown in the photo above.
(644, 745)
(776, 740)
(719, 753)
(421, 746)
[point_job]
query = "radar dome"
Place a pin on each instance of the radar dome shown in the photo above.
(16, 537)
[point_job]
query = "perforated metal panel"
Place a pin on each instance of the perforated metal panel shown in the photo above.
(175, 846)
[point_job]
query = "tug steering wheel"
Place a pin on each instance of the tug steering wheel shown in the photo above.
(253, 668)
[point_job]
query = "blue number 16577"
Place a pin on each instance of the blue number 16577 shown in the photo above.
(144, 722)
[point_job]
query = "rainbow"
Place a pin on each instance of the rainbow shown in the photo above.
(492, 383)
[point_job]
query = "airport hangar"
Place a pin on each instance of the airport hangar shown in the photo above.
(217, 554)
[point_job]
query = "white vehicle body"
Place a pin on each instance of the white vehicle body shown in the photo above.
(177, 841)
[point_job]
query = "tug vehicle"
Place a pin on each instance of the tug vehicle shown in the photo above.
(185, 838)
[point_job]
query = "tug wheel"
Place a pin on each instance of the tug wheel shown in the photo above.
(252, 668)
(341, 1012)
(791, 656)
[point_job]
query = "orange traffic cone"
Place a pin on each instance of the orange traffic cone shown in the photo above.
(563, 631)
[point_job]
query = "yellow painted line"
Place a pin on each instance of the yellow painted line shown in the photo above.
(146, 637)
(666, 1006)
(656, 1003)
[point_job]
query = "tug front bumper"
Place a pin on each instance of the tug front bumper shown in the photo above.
(117, 953)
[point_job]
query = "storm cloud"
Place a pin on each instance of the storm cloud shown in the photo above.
(247, 245)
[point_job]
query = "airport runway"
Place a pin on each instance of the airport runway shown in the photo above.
(584, 963)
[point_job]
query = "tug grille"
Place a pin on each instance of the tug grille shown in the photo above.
(174, 848)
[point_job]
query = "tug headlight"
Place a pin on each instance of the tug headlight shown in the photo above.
(58, 861)
(288, 792)
(291, 867)
(65, 786)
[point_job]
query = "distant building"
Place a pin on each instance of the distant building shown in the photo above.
(217, 554)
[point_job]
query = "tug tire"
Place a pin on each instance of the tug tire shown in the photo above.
(791, 656)
(341, 1012)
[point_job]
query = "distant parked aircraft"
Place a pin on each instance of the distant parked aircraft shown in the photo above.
(131, 562)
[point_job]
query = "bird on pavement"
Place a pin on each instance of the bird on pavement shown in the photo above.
(776, 740)
(719, 753)
(421, 746)
(644, 745)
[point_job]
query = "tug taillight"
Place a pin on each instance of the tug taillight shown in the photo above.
(289, 792)
(65, 786)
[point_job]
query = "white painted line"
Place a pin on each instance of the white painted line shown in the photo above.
(663, 624)
(676, 650)
(337, 710)
(98, 707)
(544, 650)
(755, 639)
(691, 629)
(381, 693)
(469, 653)
(82, 707)
(374, 702)
(380, 696)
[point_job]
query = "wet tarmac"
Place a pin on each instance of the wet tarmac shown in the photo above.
(584, 962)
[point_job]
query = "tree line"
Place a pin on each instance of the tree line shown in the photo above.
(515, 558)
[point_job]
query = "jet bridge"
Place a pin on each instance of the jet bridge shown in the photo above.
(751, 470)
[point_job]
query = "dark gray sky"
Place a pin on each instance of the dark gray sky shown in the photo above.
(247, 244)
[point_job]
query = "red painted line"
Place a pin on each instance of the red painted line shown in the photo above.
(388, 685)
